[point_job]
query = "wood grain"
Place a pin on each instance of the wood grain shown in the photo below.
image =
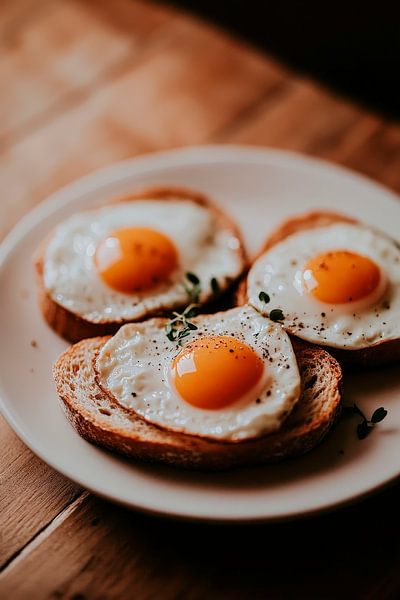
(97, 550)
(89, 82)
(177, 105)
(31, 494)
(308, 119)
(51, 59)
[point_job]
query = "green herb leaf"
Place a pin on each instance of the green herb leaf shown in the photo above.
(215, 286)
(192, 287)
(183, 333)
(192, 326)
(192, 278)
(192, 312)
(363, 429)
(276, 315)
(379, 414)
(263, 297)
(171, 336)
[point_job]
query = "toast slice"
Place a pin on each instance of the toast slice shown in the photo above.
(100, 420)
(74, 327)
(378, 354)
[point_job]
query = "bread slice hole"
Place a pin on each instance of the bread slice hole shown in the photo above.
(310, 382)
(104, 411)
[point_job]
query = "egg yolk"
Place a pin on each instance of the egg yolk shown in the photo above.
(341, 276)
(213, 372)
(135, 259)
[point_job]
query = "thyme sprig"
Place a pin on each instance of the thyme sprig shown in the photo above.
(365, 426)
(180, 325)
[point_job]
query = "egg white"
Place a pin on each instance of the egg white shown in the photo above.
(352, 325)
(134, 367)
(72, 280)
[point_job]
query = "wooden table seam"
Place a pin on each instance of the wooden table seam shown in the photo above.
(42, 533)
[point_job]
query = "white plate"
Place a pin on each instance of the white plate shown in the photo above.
(259, 188)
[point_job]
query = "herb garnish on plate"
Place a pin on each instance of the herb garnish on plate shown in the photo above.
(365, 427)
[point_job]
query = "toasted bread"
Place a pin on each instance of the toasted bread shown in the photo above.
(378, 354)
(100, 420)
(74, 327)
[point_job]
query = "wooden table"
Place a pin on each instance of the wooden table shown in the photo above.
(85, 83)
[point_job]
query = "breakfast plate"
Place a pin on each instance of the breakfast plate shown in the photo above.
(258, 188)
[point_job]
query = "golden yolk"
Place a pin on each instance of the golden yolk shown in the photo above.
(341, 276)
(215, 371)
(135, 259)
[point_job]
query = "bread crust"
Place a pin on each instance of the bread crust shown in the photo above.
(379, 354)
(73, 327)
(122, 431)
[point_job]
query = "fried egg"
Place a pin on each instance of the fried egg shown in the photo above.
(337, 285)
(234, 378)
(129, 259)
